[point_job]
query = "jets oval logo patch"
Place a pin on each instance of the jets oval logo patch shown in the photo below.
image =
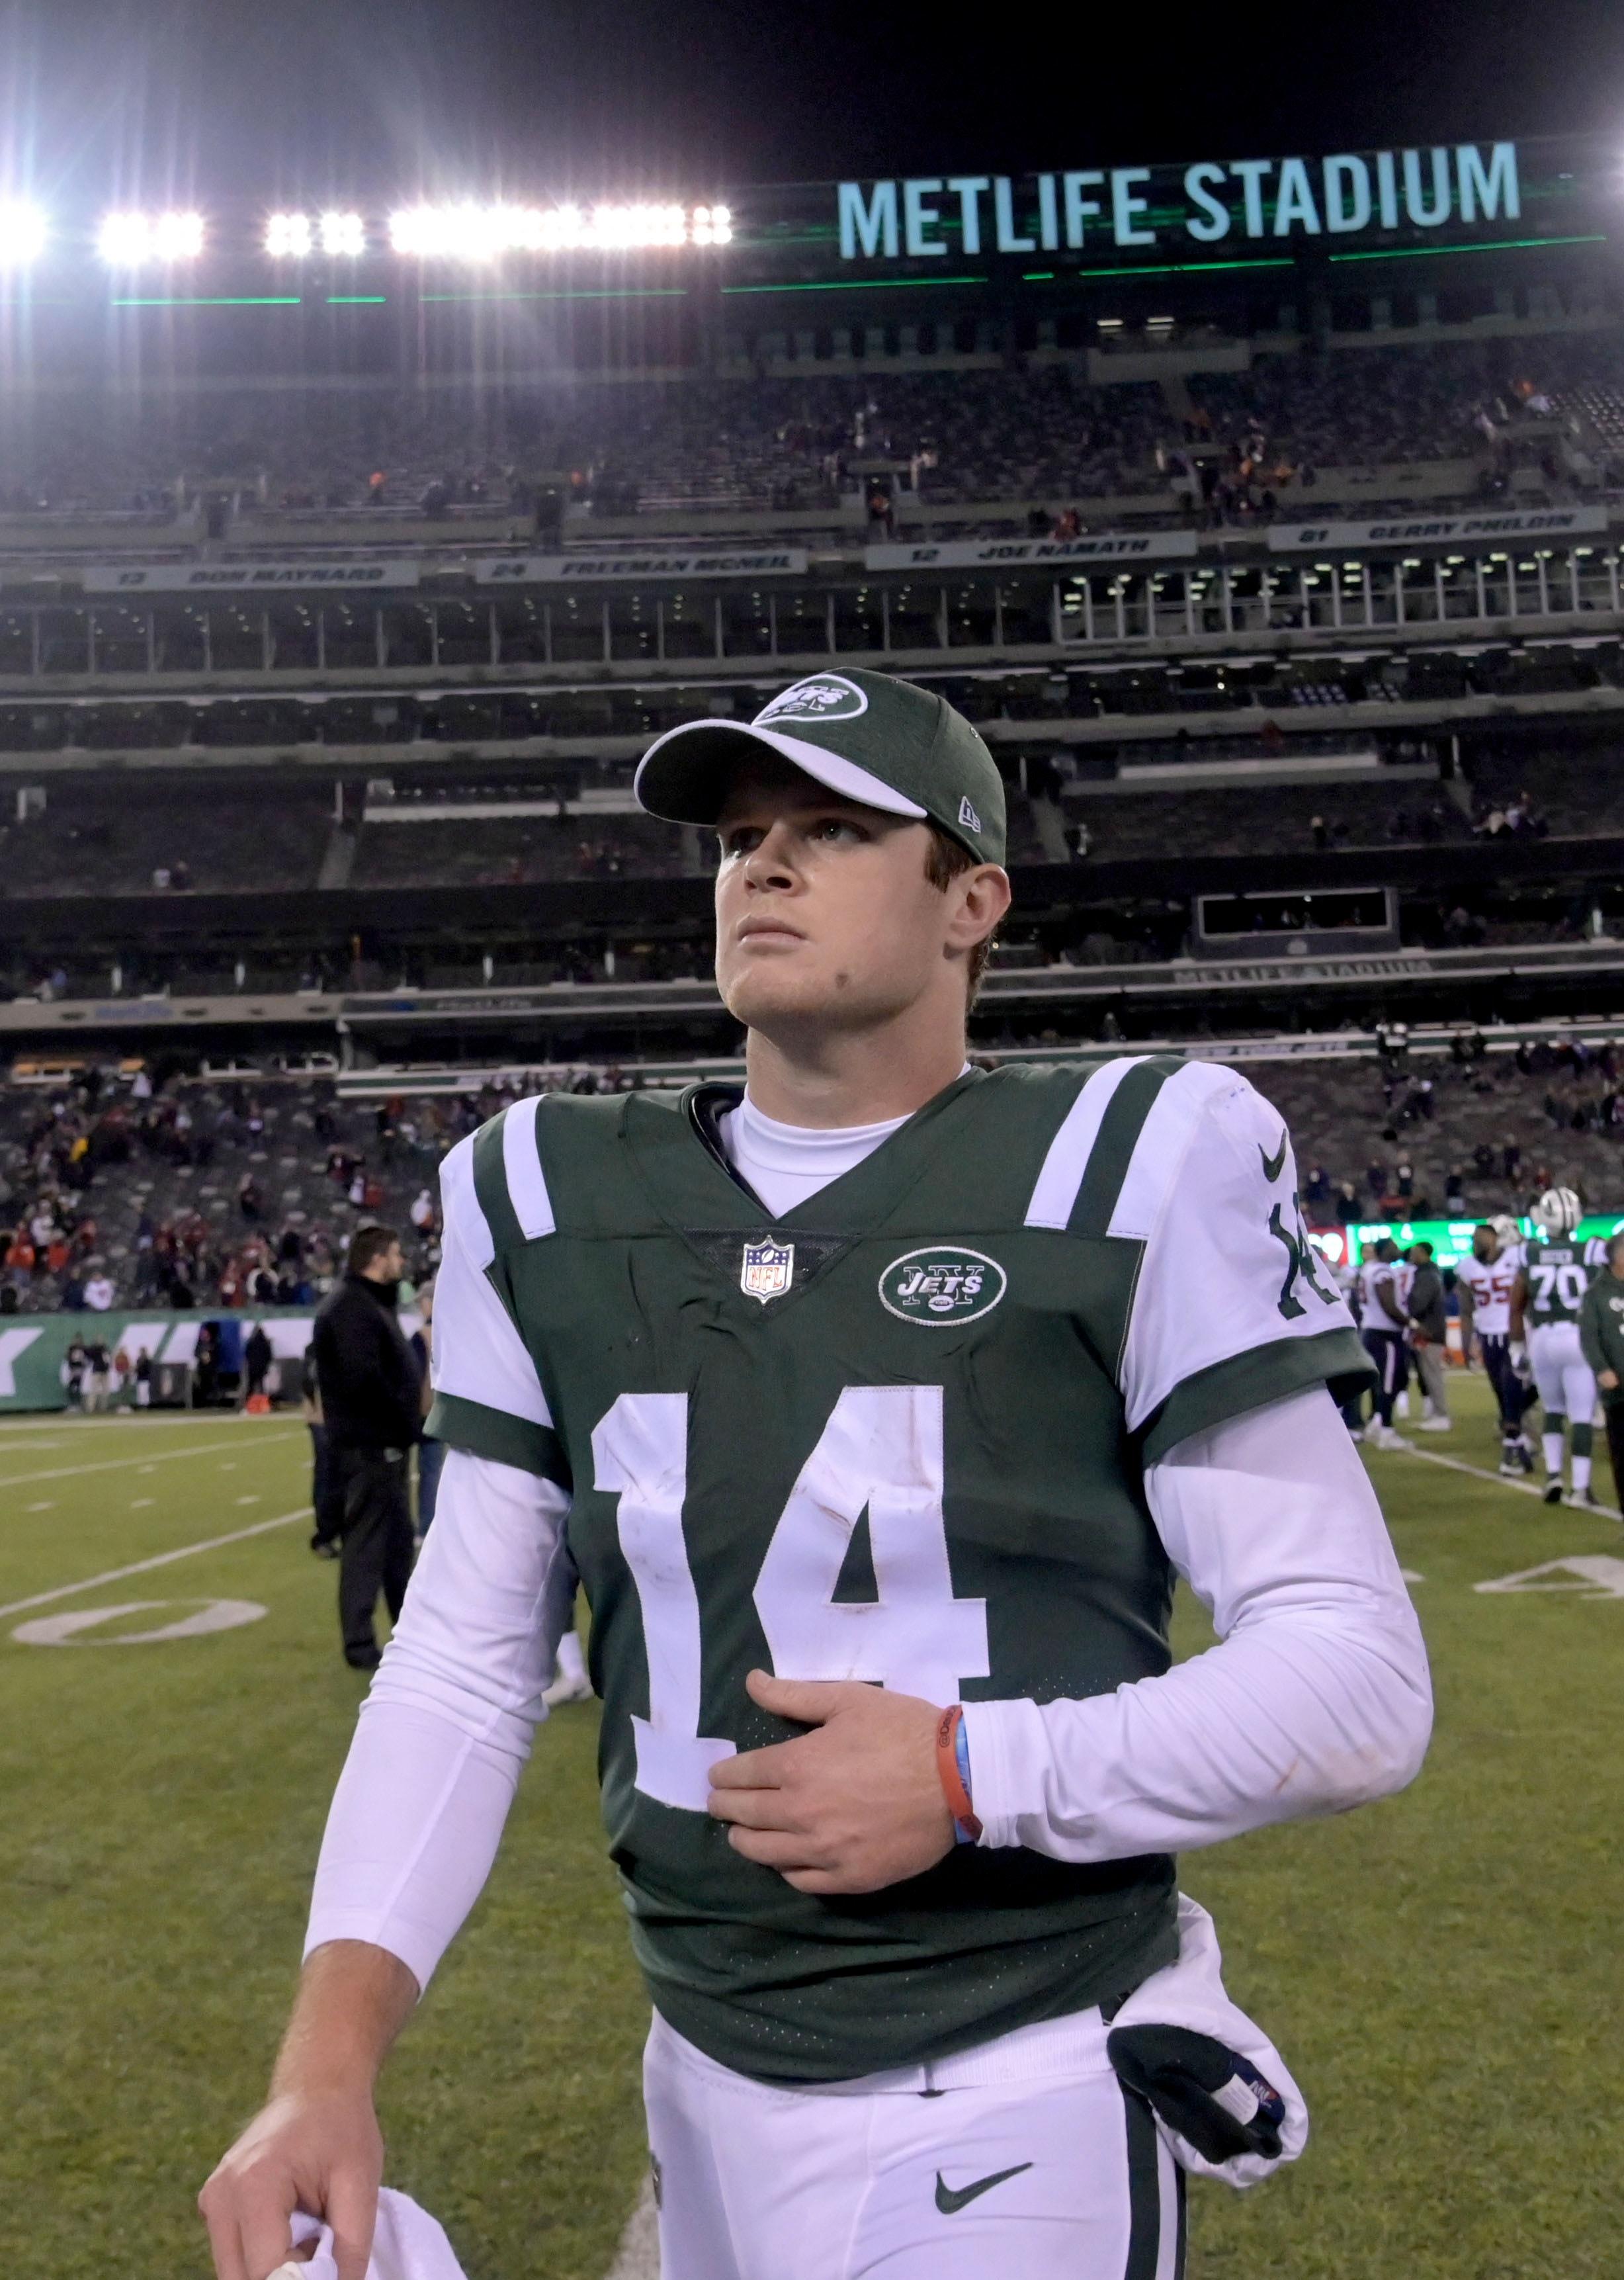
(941, 1286)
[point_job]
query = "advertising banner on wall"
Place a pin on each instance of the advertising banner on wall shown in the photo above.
(658, 562)
(1439, 529)
(35, 1371)
(1015, 553)
(1450, 1239)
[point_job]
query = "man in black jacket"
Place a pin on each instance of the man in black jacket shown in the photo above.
(1427, 1329)
(370, 1402)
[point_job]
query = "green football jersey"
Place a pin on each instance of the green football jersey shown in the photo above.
(1559, 1272)
(896, 1435)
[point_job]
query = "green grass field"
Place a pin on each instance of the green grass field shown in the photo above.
(1442, 1971)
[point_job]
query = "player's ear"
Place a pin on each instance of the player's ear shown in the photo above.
(981, 897)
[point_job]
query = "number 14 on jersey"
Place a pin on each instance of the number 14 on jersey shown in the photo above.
(879, 1452)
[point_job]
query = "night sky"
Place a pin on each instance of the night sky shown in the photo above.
(151, 100)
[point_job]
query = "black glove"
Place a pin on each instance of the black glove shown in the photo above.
(1208, 2094)
(327, 1547)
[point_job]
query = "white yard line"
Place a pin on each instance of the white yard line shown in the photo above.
(145, 1420)
(1522, 1486)
(160, 1560)
(637, 2258)
(118, 1464)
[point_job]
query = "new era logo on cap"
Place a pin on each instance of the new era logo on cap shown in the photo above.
(821, 697)
(967, 815)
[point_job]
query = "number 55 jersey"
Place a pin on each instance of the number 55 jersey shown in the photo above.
(898, 1436)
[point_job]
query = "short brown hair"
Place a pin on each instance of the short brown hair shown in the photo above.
(947, 858)
(368, 1244)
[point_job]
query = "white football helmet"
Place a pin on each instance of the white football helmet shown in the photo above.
(1558, 1211)
(1506, 1231)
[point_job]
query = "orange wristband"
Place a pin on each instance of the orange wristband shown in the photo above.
(947, 1768)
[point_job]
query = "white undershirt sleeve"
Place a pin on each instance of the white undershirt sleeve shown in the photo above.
(446, 1727)
(1316, 1699)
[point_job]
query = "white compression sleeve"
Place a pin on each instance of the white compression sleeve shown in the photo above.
(446, 1727)
(1317, 1697)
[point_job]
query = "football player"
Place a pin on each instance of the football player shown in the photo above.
(1384, 1280)
(1484, 1280)
(876, 1403)
(1556, 1271)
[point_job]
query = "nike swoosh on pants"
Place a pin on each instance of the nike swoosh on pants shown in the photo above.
(951, 2201)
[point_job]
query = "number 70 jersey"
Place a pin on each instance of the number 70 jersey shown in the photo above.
(897, 1436)
(1559, 1275)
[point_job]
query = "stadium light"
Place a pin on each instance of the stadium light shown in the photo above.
(468, 232)
(287, 233)
(127, 240)
(22, 234)
(295, 235)
(343, 234)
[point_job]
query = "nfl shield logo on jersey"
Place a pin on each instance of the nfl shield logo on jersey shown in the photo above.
(768, 1270)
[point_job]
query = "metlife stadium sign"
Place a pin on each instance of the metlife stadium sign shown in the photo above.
(1177, 210)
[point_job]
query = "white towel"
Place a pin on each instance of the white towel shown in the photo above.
(1190, 1993)
(407, 2246)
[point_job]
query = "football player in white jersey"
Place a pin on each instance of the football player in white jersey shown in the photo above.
(1383, 1287)
(1556, 1271)
(1485, 1279)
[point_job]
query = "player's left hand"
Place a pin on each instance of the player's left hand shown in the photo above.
(857, 1804)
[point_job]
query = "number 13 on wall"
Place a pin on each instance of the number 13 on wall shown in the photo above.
(879, 1452)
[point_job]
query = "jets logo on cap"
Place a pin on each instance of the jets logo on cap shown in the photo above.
(967, 815)
(822, 696)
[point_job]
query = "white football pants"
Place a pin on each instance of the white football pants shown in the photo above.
(1565, 1380)
(1023, 2160)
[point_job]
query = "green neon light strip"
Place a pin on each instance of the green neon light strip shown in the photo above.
(1484, 245)
(856, 285)
(353, 300)
(207, 301)
(1180, 268)
(1037, 276)
(607, 293)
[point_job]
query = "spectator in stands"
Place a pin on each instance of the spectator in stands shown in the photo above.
(371, 1405)
(100, 1292)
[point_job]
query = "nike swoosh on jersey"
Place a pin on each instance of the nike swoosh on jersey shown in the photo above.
(950, 2202)
(1273, 1165)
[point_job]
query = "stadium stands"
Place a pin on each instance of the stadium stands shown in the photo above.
(245, 1190)
(1042, 432)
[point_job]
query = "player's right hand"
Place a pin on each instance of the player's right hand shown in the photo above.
(319, 2151)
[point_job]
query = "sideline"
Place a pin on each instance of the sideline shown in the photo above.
(117, 1464)
(1522, 1486)
(159, 1560)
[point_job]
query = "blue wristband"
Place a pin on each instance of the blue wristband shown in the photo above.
(961, 1751)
